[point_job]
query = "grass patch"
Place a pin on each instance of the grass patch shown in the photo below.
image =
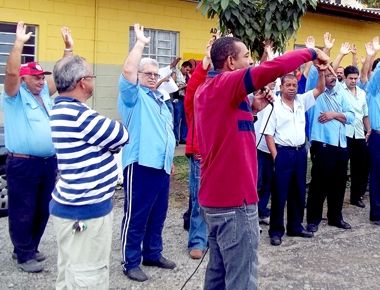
(181, 170)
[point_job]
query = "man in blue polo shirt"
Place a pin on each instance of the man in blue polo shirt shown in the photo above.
(31, 164)
(147, 162)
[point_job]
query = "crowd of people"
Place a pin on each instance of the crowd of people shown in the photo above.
(247, 140)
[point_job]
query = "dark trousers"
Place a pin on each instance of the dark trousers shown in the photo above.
(289, 187)
(180, 126)
(265, 180)
(374, 178)
(30, 184)
(359, 167)
(145, 207)
(328, 179)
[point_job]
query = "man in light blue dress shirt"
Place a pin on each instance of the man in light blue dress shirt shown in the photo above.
(329, 155)
(147, 162)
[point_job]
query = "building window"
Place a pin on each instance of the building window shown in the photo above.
(163, 45)
(7, 39)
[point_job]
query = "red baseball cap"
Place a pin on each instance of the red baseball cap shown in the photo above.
(32, 69)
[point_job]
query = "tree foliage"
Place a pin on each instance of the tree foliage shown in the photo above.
(254, 21)
(371, 3)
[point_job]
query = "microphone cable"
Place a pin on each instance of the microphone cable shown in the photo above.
(266, 124)
(204, 255)
(196, 269)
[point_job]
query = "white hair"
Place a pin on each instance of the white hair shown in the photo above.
(147, 60)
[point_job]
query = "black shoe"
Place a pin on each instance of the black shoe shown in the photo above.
(161, 263)
(340, 224)
(182, 142)
(358, 203)
(136, 274)
(376, 223)
(312, 228)
(302, 234)
(275, 241)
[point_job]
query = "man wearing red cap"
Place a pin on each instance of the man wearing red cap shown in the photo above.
(31, 163)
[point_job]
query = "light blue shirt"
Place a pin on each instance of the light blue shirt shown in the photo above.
(373, 98)
(26, 123)
(358, 103)
(332, 132)
(150, 127)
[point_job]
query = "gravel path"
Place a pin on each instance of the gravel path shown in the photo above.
(334, 259)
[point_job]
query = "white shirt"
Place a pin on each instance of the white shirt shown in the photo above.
(262, 117)
(164, 72)
(360, 108)
(288, 126)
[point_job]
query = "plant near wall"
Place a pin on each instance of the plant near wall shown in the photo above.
(256, 21)
(371, 3)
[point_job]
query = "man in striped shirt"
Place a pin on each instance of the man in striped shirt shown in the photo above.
(81, 204)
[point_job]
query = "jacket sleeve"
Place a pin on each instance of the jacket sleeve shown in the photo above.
(197, 78)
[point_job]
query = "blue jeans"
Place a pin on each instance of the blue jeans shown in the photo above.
(198, 228)
(233, 241)
(180, 127)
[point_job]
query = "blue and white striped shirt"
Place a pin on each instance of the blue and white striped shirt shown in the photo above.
(85, 143)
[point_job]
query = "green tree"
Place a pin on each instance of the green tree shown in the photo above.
(254, 21)
(371, 3)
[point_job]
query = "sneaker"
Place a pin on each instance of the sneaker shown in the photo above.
(31, 266)
(196, 254)
(160, 263)
(39, 256)
(136, 274)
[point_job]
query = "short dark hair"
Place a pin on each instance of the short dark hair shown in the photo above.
(287, 76)
(350, 70)
(375, 63)
(221, 49)
(187, 63)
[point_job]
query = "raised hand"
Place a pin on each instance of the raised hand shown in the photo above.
(345, 48)
(67, 38)
(139, 31)
(21, 34)
(329, 42)
(353, 49)
(369, 49)
(310, 42)
(268, 48)
(375, 43)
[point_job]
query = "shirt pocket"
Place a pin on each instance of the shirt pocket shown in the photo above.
(33, 112)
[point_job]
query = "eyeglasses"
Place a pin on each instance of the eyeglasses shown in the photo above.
(150, 74)
(86, 77)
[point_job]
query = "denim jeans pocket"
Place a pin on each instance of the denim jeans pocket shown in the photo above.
(223, 226)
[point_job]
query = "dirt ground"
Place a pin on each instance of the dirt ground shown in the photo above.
(333, 259)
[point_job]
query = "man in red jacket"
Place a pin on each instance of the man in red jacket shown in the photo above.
(228, 191)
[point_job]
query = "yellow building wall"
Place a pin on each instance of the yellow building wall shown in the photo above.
(101, 27)
(342, 29)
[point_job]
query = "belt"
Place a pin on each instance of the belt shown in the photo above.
(26, 156)
(299, 147)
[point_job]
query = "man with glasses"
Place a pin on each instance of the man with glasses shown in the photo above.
(147, 162)
(31, 163)
(81, 207)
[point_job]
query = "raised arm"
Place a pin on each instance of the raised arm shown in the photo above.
(366, 67)
(320, 88)
(131, 64)
(68, 51)
(328, 43)
(354, 53)
(344, 50)
(12, 69)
